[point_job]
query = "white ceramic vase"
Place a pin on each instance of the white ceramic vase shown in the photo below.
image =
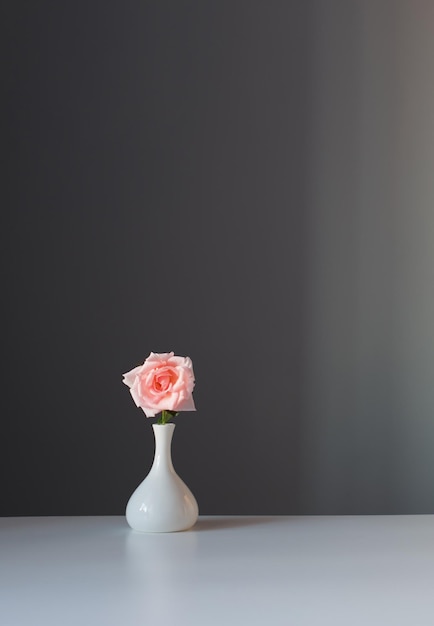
(162, 503)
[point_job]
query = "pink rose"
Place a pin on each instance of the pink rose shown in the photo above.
(163, 383)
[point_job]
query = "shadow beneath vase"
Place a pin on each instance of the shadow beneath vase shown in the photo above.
(221, 523)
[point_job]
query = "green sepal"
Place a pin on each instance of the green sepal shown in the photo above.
(166, 416)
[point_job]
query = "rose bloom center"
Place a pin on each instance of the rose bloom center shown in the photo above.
(163, 381)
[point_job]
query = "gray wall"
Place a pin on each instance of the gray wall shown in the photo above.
(247, 183)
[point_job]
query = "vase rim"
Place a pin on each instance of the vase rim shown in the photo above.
(163, 425)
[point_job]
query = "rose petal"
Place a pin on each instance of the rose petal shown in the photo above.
(130, 376)
(186, 404)
(135, 395)
(149, 412)
(159, 357)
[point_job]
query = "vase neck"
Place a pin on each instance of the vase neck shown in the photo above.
(163, 434)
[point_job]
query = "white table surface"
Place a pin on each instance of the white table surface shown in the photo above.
(301, 571)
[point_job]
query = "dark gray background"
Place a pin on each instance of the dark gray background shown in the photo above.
(247, 183)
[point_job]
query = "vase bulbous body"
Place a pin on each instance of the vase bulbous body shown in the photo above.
(162, 503)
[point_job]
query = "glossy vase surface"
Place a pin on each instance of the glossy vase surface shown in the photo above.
(162, 503)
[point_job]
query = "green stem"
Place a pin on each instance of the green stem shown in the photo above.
(166, 416)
